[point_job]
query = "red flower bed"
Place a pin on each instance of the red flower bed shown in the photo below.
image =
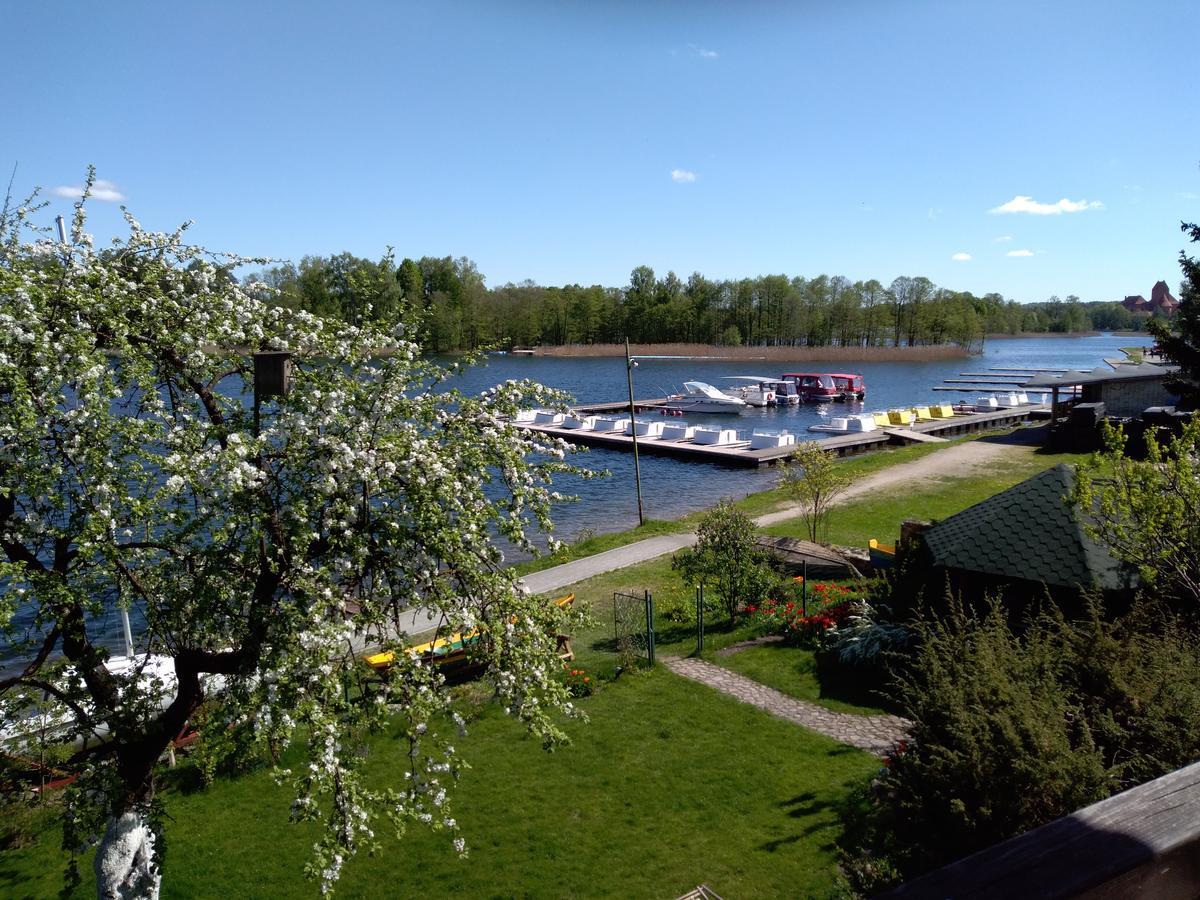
(830, 605)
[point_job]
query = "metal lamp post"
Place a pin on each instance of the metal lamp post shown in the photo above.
(630, 362)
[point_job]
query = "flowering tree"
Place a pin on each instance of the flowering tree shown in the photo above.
(266, 544)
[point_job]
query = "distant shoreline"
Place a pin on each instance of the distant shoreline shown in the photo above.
(777, 354)
(999, 336)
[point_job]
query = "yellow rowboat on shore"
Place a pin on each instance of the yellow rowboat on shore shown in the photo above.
(882, 555)
(443, 650)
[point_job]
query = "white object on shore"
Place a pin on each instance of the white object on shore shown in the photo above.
(677, 431)
(762, 440)
(714, 436)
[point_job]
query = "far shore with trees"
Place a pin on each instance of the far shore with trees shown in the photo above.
(768, 312)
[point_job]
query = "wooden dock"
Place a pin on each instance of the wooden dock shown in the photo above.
(741, 455)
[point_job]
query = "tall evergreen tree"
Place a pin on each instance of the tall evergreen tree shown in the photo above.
(1181, 344)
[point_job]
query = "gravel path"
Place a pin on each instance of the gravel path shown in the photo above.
(875, 734)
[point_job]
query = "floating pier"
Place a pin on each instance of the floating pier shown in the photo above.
(741, 453)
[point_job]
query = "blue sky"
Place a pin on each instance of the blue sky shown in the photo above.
(571, 141)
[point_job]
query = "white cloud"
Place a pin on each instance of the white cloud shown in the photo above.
(101, 190)
(1003, 239)
(1019, 253)
(1020, 204)
(933, 213)
(704, 52)
(961, 257)
(682, 176)
(1189, 195)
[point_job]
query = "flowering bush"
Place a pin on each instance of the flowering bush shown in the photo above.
(135, 469)
(831, 606)
(579, 683)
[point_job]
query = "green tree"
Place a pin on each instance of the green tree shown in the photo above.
(1180, 341)
(814, 482)
(726, 558)
(1013, 729)
(1148, 511)
(128, 477)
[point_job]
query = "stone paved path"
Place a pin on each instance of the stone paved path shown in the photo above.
(875, 734)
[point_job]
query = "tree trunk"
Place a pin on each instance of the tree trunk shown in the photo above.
(125, 866)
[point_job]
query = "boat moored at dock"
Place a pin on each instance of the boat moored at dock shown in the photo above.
(756, 390)
(846, 425)
(718, 437)
(649, 429)
(677, 431)
(821, 386)
(985, 404)
(761, 440)
(607, 424)
(701, 397)
(573, 421)
(813, 386)
(851, 386)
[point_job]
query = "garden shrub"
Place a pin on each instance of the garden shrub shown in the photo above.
(1015, 728)
(726, 560)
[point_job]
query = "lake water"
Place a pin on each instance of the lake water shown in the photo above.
(671, 488)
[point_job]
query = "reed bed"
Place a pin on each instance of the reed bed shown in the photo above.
(776, 353)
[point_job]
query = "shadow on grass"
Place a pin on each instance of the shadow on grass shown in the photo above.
(1034, 436)
(841, 683)
(804, 806)
(670, 634)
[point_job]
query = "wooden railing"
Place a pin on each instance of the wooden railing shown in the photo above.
(1143, 843)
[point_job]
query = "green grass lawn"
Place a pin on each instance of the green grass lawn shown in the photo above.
(670, 785)
(793, 671)
(879, 516)
(599, 543)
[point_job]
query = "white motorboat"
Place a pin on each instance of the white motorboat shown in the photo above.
(756, 390)
(786, 393)
(700, 397)
(846, 425)
(53, 720)
(986, 404)
(547, 417)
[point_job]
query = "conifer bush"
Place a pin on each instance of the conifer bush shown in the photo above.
(1013, 728)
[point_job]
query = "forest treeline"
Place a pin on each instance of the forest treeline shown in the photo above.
(455, 310)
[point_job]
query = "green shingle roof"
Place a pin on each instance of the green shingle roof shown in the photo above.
(1030, 532)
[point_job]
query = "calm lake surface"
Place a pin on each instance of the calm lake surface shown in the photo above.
(671, 488)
